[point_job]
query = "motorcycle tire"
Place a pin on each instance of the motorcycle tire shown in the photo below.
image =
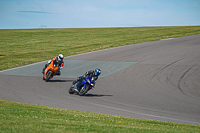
(71, 90)
(83, 90)
(48, 76)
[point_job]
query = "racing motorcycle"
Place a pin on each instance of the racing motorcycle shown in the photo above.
(51, 70)
(83, 86)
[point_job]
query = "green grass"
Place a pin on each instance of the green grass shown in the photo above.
(20, 47)
(21, 117)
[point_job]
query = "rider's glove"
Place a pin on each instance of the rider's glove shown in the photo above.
(84, 76)
(86, 73)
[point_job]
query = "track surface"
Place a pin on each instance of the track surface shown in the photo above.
(157, 80)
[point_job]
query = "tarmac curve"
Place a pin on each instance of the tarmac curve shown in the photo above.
(158, 80)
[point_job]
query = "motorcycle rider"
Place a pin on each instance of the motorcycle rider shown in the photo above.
(92, 73)
(60, 62)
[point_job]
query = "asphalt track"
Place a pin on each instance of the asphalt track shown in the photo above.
(158, 80)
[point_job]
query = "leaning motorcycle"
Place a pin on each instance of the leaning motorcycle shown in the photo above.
(83, 86)
(51, 70)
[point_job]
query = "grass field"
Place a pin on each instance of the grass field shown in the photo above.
(21, 117)
(22, 47)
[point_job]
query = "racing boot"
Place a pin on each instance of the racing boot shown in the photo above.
(58, 73)
(43, 70)
(74, 82)
(46, 65)
(75, 88)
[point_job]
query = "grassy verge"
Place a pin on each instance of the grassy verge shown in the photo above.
(22, 47)
(21, 117)
(26, 46)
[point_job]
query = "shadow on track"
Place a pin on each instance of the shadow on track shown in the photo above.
(95, 95)
(58, 80)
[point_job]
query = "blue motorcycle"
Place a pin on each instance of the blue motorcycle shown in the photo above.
(82, 86)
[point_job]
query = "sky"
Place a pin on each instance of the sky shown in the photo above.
(31, 14)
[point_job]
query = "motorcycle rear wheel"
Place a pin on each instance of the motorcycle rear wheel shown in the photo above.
(71, 90)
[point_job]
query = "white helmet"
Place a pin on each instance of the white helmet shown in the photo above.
(60, 57)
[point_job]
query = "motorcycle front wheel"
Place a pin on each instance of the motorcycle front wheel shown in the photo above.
(48, 76)
(83, 90)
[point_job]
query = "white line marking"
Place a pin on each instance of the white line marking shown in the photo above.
(167, 39)
(22, 66)
(65, 57)
(161, 117)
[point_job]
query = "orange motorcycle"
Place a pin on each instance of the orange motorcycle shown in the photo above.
(51, 70)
